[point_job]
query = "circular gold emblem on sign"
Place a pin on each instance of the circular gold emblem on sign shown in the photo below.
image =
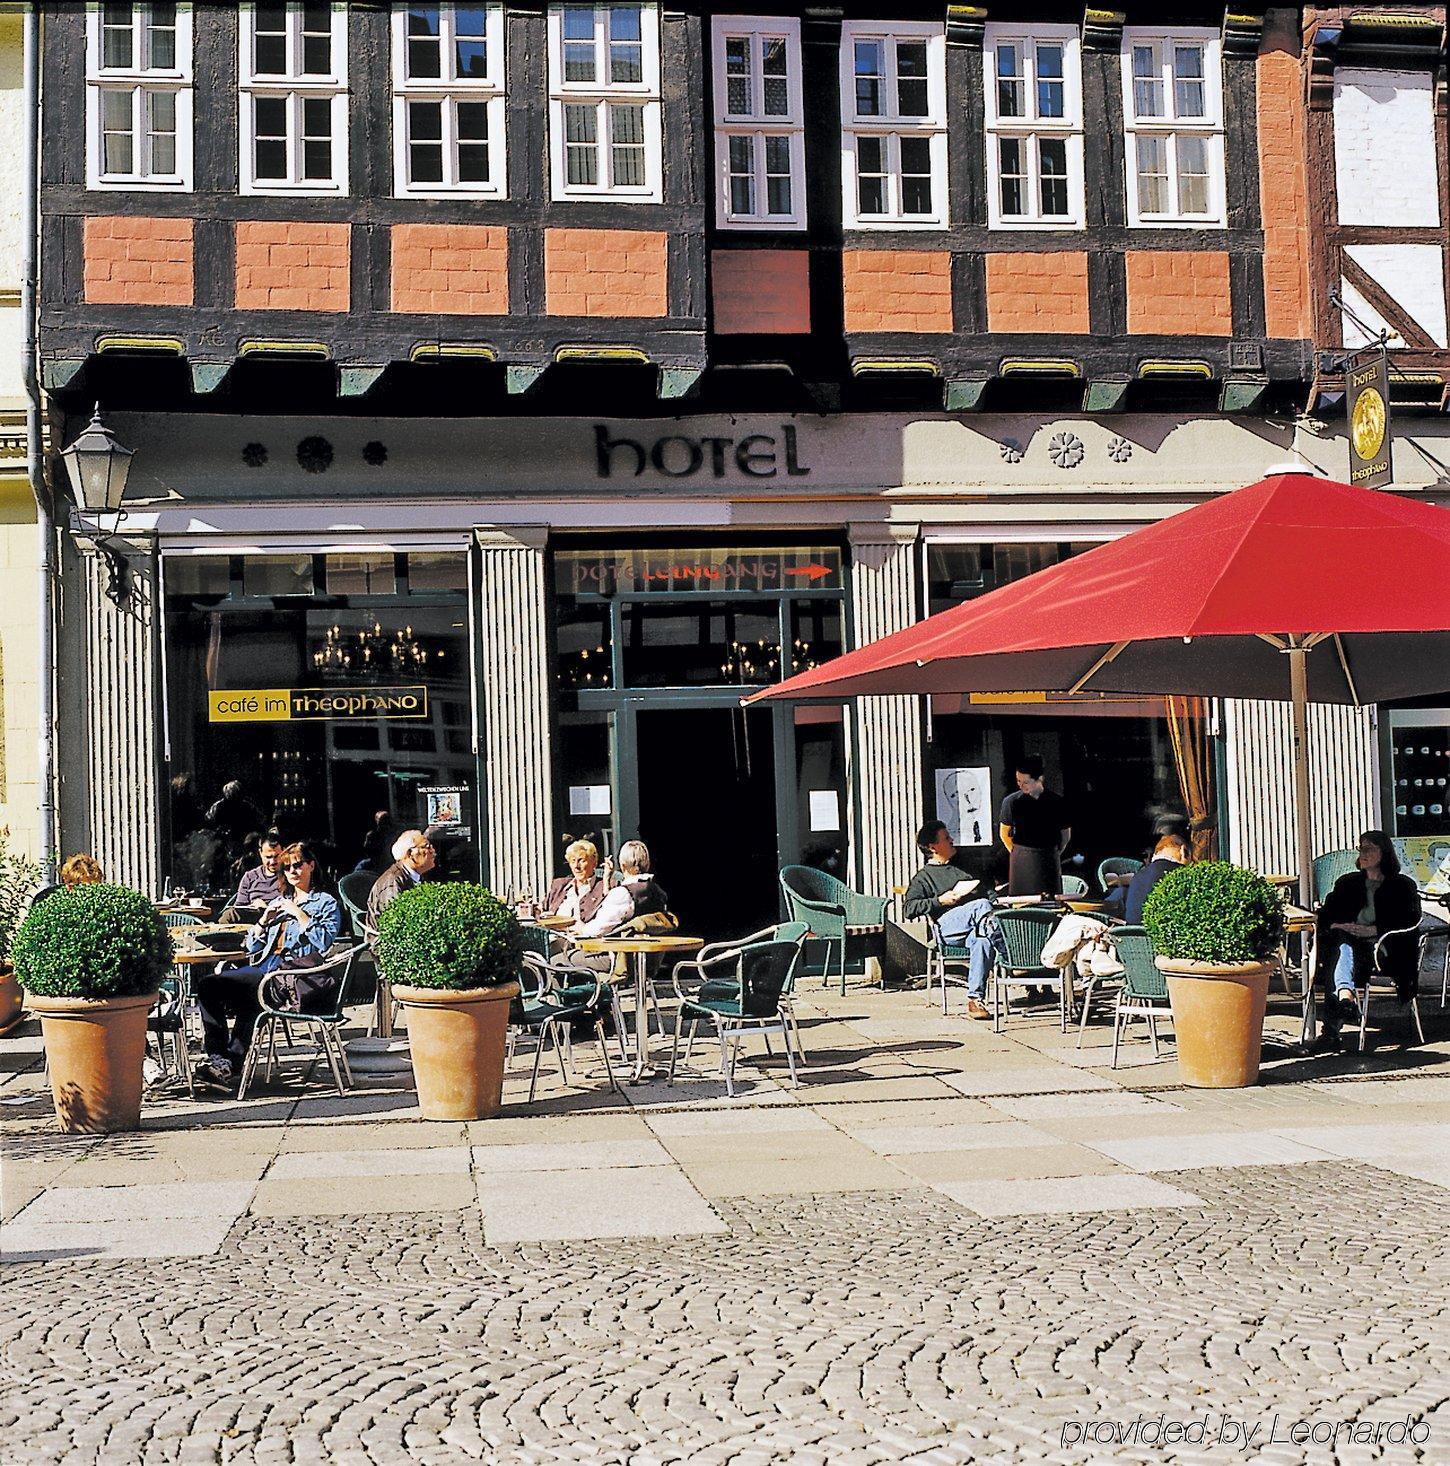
(1368, 427)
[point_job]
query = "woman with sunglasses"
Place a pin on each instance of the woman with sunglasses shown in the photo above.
(294, 932)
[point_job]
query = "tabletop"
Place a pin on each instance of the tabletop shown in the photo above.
(199, 955)
(168, 907)
(1282, 880)
(640, 944)
(551, 921)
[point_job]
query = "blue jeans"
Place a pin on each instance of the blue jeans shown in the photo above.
(959, 927)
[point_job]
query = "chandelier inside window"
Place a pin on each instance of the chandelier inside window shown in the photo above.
(751, 663)
(373, 649)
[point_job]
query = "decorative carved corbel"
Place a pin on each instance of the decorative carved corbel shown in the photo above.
(1102, 29)
(966, 24)
(1243, 28)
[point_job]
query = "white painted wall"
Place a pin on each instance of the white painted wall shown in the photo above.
(1384, 147)
(1412, 275)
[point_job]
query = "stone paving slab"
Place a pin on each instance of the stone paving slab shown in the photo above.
(764, 1120)
(54, 1241)
(569, 1155)
(781, 1163)
(164, 1200)
(1068, 1195)
(321, 1196)
(1235, 1148)
(1015, 1081)
(1036, 1107)
(919, 1139)
(541, 1206)
(300, 1165)
(1024, 1162)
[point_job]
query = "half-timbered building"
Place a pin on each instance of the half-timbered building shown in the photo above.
(511, 384)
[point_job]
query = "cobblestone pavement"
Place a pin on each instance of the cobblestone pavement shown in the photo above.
(846, 1327)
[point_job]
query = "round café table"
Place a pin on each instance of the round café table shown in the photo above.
(641, 949)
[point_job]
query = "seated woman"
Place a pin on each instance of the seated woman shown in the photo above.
(636, 894)
(1374, 899)
(293, 934)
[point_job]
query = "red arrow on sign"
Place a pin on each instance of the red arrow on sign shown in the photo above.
(813, 572)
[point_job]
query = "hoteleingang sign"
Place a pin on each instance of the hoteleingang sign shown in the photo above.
(315, 704)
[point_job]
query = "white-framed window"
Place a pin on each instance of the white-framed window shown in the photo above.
(448, 101)
(894, 111)
(760, 156)
(138, 96)
(1034, 127)
(1173, 118)
(293, 91)
(604, 102)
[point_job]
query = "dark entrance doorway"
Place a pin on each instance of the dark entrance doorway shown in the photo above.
(707, 811)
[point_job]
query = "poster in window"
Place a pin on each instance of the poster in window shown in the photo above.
(964, 804)
(443, 806)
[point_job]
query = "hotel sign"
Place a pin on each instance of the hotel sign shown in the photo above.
(315, 704)
(1368, 406)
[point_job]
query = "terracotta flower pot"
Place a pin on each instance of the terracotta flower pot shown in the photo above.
(1218, 1019)
(11, 998)
(458, 1039)
(95, 1047)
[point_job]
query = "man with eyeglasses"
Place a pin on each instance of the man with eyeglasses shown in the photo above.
(260, 885)
(413, 858)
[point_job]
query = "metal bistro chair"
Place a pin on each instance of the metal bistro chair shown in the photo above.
(1024, 933)
(729, 986)
(741, 988)
(1116, 865)
(1388, 981)
(327, 1025)
(167, 1020)
(552, 996)
(832, 910)
(1145, 990)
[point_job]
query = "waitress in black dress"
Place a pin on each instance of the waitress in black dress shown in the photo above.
(1034, 827)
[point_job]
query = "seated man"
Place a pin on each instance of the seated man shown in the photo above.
(413, 858)
(1169, 853)
(944, 892)
(580, 894)
(264, 882)
(294, 934)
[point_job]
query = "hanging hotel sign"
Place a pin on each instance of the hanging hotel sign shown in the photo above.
(315, 704)
(1370, 441)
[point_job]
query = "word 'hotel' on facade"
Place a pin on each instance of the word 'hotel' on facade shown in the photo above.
(511, 384)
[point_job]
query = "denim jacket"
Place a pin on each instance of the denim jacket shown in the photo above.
(311, 941)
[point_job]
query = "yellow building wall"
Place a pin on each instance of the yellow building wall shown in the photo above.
(19, 667)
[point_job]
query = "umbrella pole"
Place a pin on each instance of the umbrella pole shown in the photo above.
(1299, 697)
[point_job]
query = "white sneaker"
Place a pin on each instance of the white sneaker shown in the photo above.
(151, 1071)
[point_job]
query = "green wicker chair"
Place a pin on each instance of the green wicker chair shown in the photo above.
(1145, 990)
(167, 1020)
(1024, 933)
(1329, 867)
(740, 989)
(1116, 865)
(832, 910)
(1073, 886)
(354, 889)
(553, 996)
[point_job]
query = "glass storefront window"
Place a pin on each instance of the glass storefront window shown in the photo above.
(816, 635)
(699, 644)
(345, 717)
(957, 573)
(582, 643)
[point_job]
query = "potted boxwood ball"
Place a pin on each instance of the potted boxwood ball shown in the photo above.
(451, 953)
(91, 960)
(19, 877)
(1216, 929)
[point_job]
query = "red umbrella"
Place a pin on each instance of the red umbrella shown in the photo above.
(1293, 588)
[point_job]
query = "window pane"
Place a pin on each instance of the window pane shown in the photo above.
(116, 38)
(626, 51)
(773, 64)
(119, 147)
(425, 142)
(737, 76)
(1147, 82)
(627, 138)
(472, 163)
(911, 79)
(1152, 175)
(915, 175)
(161, 38)
(473, 122)
(1051, 92)
(869, 68)
(316, 55)
(1052, 176)
(742, 175)
(161, 111)
(316, 160)
(470, 43)
(317, 117)
(1013, 171)
(316, 138)
(425, 162)
(579, 61)
(1188, 81)
(578, 22)
(870, 170)
(1192, 175)
(777, 175)
(271, 117)
(269, 48)
(423, 49)
(1009, 81)
(581, 130)
(271, 160)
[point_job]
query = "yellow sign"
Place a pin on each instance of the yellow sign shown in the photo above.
(315, 704)
(1368, 426)
(991, 697)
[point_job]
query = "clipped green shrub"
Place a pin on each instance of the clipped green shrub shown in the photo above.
(1214, 912)
(93, 941)
(454, 935)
